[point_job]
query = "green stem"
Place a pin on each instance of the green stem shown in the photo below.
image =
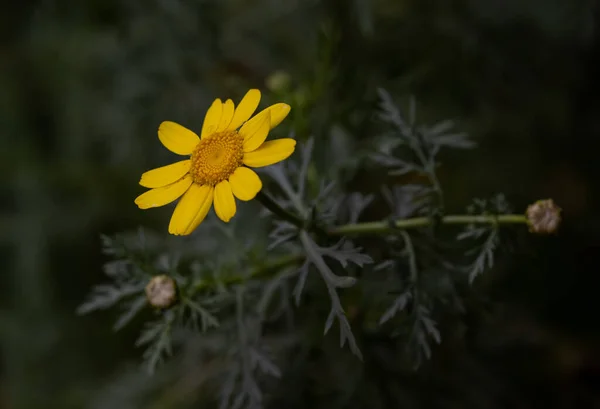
(270, 204)
(386, 227)
(277, 210)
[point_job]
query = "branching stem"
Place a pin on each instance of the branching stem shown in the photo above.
(367, 228)
(277, 210)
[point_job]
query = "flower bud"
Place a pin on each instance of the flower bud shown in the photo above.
(543, 217)
(161, 291)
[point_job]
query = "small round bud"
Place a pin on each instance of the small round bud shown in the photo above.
(279, 81)
(543, 216)
(161, 291)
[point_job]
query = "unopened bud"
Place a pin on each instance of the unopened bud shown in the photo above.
(161, 291)
(543, 216)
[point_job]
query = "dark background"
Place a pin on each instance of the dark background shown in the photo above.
(84, 85)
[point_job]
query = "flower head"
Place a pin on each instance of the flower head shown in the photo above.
(161, 291)
(543, 216)
(217, 169)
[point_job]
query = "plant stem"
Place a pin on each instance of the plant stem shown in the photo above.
(386, 227)
(277, 210)
(270, 204)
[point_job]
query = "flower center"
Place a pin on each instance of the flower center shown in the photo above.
(215, 158)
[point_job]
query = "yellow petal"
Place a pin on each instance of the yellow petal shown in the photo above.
(270, 152)
(163, 195)
(165, 175)
(224, 201)
(245, 109)
(212, 118)
(177, 138)
(255, 132)
(278, 113)
(191, 210)
(245, 183)
(226, 115)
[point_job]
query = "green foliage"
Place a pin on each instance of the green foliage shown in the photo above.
(483, 255)
(239, 289)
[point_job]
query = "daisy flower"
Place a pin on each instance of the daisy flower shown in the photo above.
(217, 167)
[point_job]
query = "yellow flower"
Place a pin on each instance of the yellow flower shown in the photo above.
(215, 171)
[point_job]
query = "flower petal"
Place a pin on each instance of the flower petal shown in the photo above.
(245, 183)
(270, 152)
(278, 113)
(255, 132)
(224, 201)
(176, 138)
(245, 109)
(191, 209)
(226, 115)
(212, 118)
(163, 195)
(165, 175)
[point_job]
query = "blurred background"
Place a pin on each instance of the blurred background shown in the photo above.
(84, 85)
